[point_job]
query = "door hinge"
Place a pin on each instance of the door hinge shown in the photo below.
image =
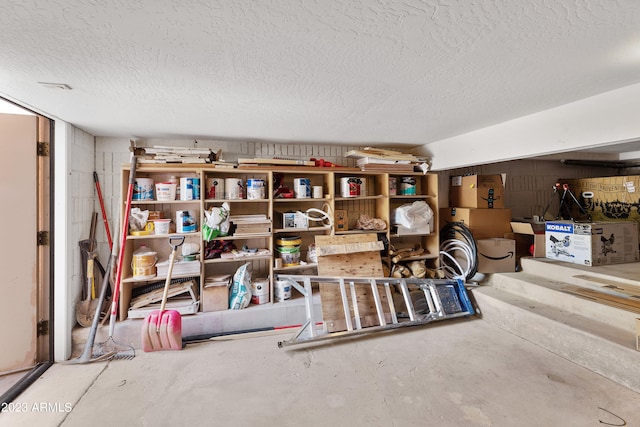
(43, 149)
(43, 328)
(43, 238)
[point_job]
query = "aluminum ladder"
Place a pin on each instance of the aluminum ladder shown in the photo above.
(445, 299)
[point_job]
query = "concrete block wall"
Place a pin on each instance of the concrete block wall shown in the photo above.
(112, 153)
(81, 195)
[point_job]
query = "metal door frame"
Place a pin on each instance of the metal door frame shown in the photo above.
(45, 304)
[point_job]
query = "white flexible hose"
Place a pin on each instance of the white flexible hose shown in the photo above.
(325, 216)
(447, 248)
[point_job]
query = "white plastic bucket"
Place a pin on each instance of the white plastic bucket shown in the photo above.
(165, 191)
(143, 189)
(161, 226)
(282, 291)
(233, 189)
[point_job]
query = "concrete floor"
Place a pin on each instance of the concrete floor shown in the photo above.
(463, 372)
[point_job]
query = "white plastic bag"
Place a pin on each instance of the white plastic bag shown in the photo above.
(240, 295)
(414, 215)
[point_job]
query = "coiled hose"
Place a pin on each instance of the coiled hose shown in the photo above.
(457, 245)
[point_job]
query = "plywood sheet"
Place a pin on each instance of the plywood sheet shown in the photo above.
(360, 264)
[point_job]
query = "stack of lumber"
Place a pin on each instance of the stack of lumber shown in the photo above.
(165, 154)
(370, 158)
(260, 162)
(180, 268)
(246, 225)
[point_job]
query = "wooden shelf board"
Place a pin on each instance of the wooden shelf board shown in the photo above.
(346, 199)
(237, 259)
(163, 236)
(242, 236)
(300, 230)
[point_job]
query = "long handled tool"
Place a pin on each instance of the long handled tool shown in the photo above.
(87, 355)
(104, 212)
(162, 329)
(122, 351)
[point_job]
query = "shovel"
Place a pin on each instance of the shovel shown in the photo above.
(162, 329)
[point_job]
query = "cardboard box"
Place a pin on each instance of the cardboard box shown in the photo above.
(592, 243)
(496, 255)
(527, 234)
(215, 293)
(483, 223)
(294, 220)
(477, 191)
(606, 199)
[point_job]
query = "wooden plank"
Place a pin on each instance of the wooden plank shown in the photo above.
(156, 295)
(606, 299)
(360, 264)
(350, 248)
(623, 288)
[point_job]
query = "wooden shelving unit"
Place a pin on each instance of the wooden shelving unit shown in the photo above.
(375, 202)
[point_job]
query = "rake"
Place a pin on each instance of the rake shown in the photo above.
(122, 351)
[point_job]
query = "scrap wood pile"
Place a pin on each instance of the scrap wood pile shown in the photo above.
(372, 159)
(178, 155)
(409, 261)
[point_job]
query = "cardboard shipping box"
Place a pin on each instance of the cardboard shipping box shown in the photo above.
(609, 198)
(529, 239)
(496, 255)
(483, 223)
(592, 243)
(215, 293)
(477, 191)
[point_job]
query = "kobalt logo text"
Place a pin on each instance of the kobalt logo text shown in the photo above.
(560, 227)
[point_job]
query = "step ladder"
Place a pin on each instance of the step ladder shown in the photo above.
(443, 299)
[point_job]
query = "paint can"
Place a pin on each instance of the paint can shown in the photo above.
(233, 189)
(143, 263)
(282, 291)
(289, 250)
(317, 192)
(196, 188)
(215, 188)
(186, 222)
(302, 188)
(189, 188)
(352, 186)
(161, 226)
(255, 189)
(175, 180)
(408, 186)
(393, 186)
(143, 189)
(260, 291)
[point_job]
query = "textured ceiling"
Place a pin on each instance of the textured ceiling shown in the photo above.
(361, 71)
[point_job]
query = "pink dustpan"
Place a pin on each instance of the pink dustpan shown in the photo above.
(162, 329)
